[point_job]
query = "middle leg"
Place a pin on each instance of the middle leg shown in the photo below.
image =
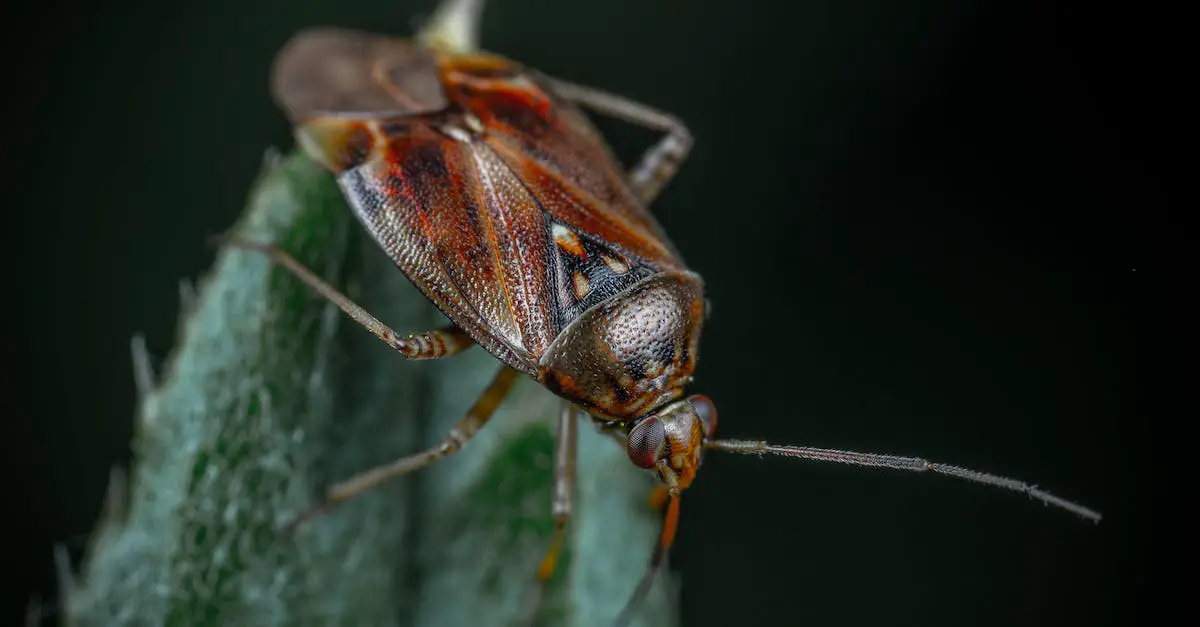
(470, 424)
(564, 486)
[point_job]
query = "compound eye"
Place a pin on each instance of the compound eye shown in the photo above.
(645, 441)
(706, 410)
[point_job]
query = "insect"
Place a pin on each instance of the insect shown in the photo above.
(490, 189)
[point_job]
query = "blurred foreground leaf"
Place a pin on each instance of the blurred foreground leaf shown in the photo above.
(272, 394)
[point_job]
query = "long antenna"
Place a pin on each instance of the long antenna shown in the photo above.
(896, 462)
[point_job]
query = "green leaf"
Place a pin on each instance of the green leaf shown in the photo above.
(272, 394)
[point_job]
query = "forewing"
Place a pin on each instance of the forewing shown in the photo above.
(498, 200)
(559, 156)
(457, 222)
(354, 75)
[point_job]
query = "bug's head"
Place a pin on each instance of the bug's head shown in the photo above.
(670, 440)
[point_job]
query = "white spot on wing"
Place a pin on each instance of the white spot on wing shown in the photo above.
(473, 123)
(457, 134)
(614, 264)
(566, 239)
(582, 286)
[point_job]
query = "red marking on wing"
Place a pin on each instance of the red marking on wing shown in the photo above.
(562, 160)
(517, 227)
(466, 232)
(463, 212)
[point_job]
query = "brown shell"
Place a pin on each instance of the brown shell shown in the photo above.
(498, 199)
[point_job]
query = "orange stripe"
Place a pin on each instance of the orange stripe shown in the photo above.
(670, 524)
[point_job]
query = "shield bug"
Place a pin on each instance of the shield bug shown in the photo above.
(490, 189)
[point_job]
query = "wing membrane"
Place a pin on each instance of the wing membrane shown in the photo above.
(558, 154)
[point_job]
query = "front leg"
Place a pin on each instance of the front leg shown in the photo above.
(427, 345)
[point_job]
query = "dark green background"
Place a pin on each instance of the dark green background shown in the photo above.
(925, 229)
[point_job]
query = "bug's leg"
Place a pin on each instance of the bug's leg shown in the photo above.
(564, 486)
(658, 497)
(434, 344)
(427, 345)
(470, 424)
(661, 161)
(665, 539)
